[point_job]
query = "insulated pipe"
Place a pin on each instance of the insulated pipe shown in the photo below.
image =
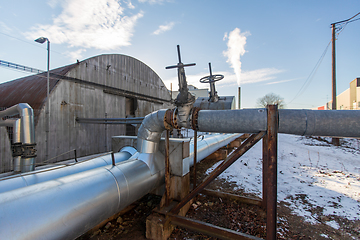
(27, 131)
(150, 131)
(16, 125)
(31, 178)
(209, 145)
(67, 207)
(334, 123)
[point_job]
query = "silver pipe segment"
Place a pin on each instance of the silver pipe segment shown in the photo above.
(209, 144)
(330, 123)
(150, 131)
(27, 131)
(67, 207)
(39, 176)
(16, 125)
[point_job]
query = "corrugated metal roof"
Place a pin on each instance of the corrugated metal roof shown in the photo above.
(31, 89)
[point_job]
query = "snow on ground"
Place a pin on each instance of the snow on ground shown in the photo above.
(312, 174)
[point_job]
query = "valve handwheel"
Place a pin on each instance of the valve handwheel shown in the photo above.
(212, 78)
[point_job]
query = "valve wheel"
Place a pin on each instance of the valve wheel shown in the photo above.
(212, 78)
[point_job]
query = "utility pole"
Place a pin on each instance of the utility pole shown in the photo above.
(333, 107)
(336, 141)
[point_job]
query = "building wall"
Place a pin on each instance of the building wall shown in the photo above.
(70, 99)
(5, 153)
(343, 100)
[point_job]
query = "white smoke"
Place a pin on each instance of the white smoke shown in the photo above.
(236, 48)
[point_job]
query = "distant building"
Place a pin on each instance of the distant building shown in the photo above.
(105, 86)
(348, 99)
(203, 92)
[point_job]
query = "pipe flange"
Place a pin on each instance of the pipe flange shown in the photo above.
(194, 118)
(167, 120)
(174, 119)
(17, 149)
(29, 150)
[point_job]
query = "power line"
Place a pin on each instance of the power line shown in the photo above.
(311, 75)
(35, 45)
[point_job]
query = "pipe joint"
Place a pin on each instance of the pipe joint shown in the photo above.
(17, 149)
(29, 150)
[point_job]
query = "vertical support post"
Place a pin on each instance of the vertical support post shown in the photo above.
(195, 158)
(47, 110)
(335, 141)
(264, 170)
(333, 68)
(239, 98)
(105, 132)
(113, 158)
(167, 169)
(75, 155)
(271, 206)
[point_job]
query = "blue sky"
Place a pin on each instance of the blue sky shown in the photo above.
(265, 46)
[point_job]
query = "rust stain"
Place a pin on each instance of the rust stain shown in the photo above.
(31, 89)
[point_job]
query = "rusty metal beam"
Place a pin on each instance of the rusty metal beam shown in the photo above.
(271, 205)
(264, 170)
(167, 169)
(208, 229)
(251, 141)
(242, 199)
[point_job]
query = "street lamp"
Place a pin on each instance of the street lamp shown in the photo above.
(41, 40)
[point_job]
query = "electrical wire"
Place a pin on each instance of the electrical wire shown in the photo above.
(311, 75)
(32, 44)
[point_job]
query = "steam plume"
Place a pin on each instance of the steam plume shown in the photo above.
(236, 48)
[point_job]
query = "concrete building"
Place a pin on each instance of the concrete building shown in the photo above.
(348, 99)
(105, 86)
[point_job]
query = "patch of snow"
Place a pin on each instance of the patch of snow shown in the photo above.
(324, 235)
(311, 174)
(333, 224)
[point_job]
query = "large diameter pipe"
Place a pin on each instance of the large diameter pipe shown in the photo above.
(39, 176)
(16, 125)
(339, 123)
(27, 130)
(67, 207)
(208, 145)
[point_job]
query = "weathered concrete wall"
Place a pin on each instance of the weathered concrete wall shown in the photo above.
(70, 100)
(5, 153)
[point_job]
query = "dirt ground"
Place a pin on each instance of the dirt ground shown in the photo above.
(224, 213)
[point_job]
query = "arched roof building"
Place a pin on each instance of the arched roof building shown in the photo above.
(104, 86)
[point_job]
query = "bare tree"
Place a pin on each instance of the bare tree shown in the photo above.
(270, 99)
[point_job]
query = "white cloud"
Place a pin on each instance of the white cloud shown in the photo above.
(75, 55)
(164, 28)
(247, 77)
(99, 24)
(236, 48)
(154, 1)
(53, 3)
(4, 28)
(282, 81)
(129, 4)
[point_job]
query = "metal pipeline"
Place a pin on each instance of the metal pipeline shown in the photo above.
(67, 207)
(31, 178)
(331, 123)
(208, 145)
(16, 125)
(27, 132)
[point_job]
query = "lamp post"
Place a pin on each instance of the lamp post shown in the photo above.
(41, 40)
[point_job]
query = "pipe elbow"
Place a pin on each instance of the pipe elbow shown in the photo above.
(150, 131)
